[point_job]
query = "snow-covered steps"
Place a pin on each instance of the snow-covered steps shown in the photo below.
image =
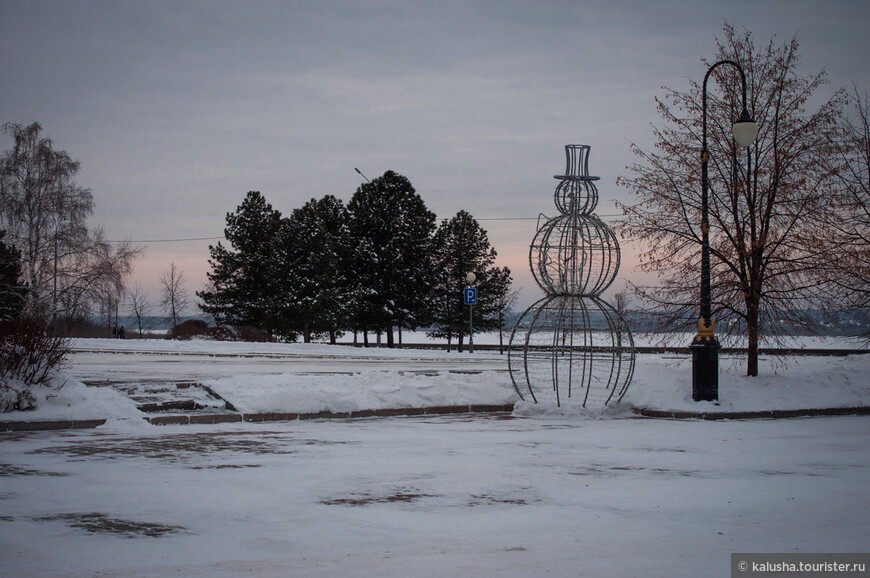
(184, 419)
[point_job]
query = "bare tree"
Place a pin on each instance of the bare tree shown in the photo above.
(45, 212)
(139, 306)
(92, 277)
(847, 278)
(623, 302)
(764, 237)
(505, 304)
(174, 298)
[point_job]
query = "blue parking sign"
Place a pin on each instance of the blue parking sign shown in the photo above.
(469, 295)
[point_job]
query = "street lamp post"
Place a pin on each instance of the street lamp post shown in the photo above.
(362, 175)
(471, 278)
(705, 346)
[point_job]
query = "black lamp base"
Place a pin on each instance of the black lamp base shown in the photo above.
(705, 370)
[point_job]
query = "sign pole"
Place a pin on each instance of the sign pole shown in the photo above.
(470, 298)
(470, 329)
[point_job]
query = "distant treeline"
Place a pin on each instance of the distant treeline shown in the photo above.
(846, 324)
(837, 323)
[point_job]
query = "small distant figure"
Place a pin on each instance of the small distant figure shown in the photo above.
(121, 333)
(115, 332)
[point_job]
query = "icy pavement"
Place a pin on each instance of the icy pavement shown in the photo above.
(432, 496)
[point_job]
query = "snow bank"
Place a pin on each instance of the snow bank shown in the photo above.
(76, 401)
(393, 379)
(665, 383)
(362, 390)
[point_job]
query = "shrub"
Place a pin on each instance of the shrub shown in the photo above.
(252, 334)
(29, 356)
(222, 333)
(188, 329)
(198, 328)
(243, 333)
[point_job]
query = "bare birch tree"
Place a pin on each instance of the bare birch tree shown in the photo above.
(45, 213)
(139, 306)
(174, 298)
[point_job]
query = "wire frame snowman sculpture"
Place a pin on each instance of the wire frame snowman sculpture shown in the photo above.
(572, 348)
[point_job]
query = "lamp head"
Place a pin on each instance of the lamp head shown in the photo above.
(745, 130)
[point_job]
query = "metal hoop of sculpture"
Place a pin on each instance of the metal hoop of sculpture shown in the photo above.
(572, 347)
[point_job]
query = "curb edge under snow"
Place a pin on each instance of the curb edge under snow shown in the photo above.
(768, 414)
(49, 425)
(214, 418)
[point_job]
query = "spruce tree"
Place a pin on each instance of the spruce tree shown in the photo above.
(317, 241)
(391, 229)
(12, 288)
(461, 247)
(243, 283)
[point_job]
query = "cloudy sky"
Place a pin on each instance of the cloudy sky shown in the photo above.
(176, 109)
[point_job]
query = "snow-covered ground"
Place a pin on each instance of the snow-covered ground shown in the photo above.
(307, 378)
(432, 496)
(540, 492)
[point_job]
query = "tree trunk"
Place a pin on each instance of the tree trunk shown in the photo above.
(500, 334)
(306, 332)
(390, 343)
(752, 332)
(33, 293)
(33, 279)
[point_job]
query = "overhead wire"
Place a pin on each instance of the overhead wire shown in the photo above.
(188, 239)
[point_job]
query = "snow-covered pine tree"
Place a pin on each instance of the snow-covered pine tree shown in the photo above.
(391, 230)
(12, 288)
(317, 240)
(461, 247)
(243, 288)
